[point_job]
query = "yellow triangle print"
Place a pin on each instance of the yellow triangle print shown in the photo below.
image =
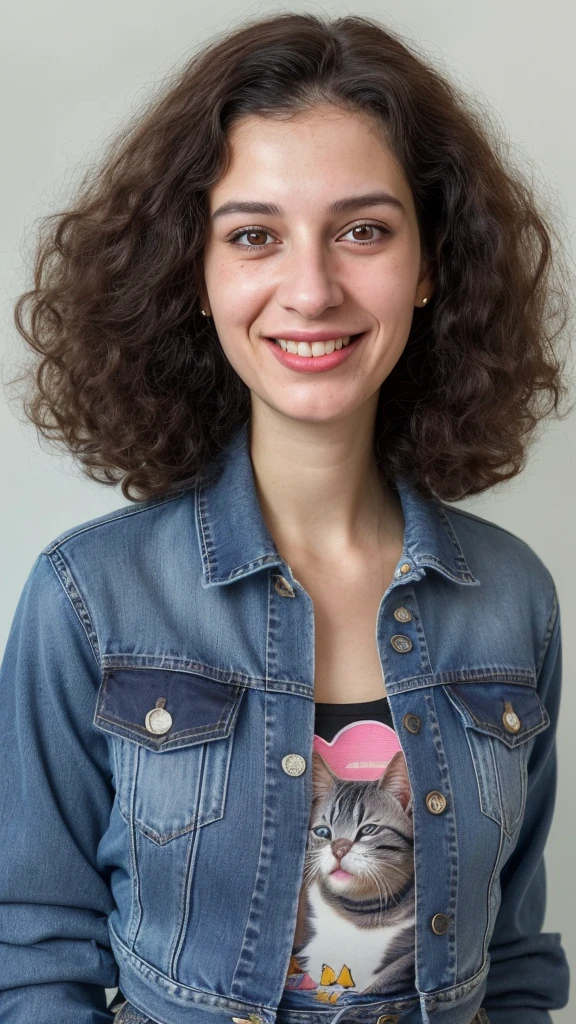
(328, 976)
(345, 978)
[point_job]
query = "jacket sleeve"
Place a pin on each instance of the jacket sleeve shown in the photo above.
(529, 973)
(55, 802)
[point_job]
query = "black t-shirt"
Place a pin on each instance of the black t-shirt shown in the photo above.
(355, 925)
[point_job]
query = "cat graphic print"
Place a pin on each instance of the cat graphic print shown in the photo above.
(356, 915)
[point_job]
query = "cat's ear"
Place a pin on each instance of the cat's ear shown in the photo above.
(395, 779)
(323, 778)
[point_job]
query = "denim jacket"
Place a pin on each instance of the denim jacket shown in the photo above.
(158, 675)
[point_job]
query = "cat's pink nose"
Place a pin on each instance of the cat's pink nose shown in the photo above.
(340, 847)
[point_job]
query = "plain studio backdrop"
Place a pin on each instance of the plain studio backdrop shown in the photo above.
(72, 72)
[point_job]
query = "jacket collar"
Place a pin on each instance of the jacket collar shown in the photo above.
(235, 542)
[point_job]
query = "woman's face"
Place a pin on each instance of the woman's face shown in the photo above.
(298, 260)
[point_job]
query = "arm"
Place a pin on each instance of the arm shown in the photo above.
(529, 973)
(55, 802)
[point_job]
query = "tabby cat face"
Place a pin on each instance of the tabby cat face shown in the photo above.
(361, 832)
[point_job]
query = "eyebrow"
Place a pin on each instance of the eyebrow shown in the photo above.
(339, 206)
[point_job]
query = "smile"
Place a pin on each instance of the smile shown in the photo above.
(316, 356)
(315, 348)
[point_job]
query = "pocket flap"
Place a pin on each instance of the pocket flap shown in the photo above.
(200, 709)
(485, 706)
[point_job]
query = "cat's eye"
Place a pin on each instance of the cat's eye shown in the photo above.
(366, 830)
(322, 831)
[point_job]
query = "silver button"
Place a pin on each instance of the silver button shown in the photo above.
(401, 643)
(511, 721)
(158, 720)
(282, 587)
(402, 614)
(294, 764)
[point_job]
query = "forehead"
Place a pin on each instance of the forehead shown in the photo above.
(314, 155)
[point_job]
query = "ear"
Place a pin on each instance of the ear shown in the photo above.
(323, 778)
(395, 779)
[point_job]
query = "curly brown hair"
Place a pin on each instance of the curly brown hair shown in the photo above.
(133, 380)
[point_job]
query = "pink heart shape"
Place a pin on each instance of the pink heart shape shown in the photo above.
(361, 750)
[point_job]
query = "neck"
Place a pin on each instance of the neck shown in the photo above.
(319, 487)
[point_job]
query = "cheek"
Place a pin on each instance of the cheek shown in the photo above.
(235, 289)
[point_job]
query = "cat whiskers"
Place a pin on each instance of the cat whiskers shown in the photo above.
(371, 874)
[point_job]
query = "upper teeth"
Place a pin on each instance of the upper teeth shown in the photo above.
(316, 348)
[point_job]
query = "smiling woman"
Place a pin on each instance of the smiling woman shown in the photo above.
(360, 279)
(130, 374)
(284, 729)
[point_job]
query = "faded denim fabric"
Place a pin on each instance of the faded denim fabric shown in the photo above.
(169, 863)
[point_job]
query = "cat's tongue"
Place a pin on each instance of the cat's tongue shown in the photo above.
(341, 874)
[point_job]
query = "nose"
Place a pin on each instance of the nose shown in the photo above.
(308, 281)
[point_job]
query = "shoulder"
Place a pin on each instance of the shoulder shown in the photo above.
(137, 517)
(135, 543)
(496, 553)
(120, 520)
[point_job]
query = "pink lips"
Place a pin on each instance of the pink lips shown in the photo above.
(313, 364)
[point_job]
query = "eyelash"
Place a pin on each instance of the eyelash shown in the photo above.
(255, 227)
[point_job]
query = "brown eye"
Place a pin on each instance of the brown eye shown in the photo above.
(253, 234)
(371, 239)
(256, 237)
(363, 228)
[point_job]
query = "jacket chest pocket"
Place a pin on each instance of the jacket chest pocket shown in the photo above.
(173, 736)
(500, 719)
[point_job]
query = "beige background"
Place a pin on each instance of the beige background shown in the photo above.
(71, 71)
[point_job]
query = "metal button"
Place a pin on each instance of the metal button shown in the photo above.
(388, 1018)
(511, 721)
(159, 721)
(294, 764)
(401, 643)
(411, 722)
(404, 568)
(436, 802)
(402, 614)
(282, 587)
(440, 923)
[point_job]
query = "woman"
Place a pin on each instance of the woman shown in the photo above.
(284, 728)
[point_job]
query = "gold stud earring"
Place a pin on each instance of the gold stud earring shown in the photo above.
(424, 301)
(204, 313)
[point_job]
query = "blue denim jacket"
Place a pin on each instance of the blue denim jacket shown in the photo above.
(160, 668)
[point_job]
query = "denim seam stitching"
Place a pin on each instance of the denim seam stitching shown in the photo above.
(64, 576)
(550, 626)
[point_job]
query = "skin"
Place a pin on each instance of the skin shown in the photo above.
(311, 434)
